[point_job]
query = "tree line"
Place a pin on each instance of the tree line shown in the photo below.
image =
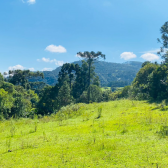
(20, 97)
(151, 82)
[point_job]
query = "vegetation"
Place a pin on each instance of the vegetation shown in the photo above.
(151, 82)
(15, 101)
(73, 123)
(22, 78)
(91, 57)
(20, 97)
(115, 73)
(113, 134)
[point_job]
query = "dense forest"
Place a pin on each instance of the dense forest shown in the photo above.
(112, 73)
(21, 96)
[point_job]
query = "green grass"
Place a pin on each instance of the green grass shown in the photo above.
(105, 88)
(114, 134)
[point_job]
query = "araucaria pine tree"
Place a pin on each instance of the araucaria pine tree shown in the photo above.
(90, 57)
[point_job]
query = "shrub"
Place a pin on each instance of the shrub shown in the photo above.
(69, 111)
(163, 131)
(99, 112)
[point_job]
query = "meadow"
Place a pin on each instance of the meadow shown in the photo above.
(119, 134)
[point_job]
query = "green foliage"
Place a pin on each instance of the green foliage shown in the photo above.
(91, 57)
(96, 81)
(23, 77)
(8, 87)
(64, 97)
(164, 41)
(125, 91)
(99, 112)
(48, 101)
(16, 101)
(75, 84)
(84, 97)
(81, 82)
(69, 111)
(105, 94)
(163, 131)
(109, 73)
(1, 77)
(150, 83)
(6, 103)
(145, 63)
(141, 79)
(95, 93)
(115, 95)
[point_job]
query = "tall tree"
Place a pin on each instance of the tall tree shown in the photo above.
(48, 100)
(1, 77)
(144, 79)
(64, 96)
(67, 69)
(90, 57)
(164, 41)
(6, 102)
(1, 80)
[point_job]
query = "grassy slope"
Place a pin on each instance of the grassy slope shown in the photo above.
(125, 136)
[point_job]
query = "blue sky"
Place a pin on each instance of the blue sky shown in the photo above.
(43, 34)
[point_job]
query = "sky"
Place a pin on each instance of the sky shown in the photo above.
(44, 34)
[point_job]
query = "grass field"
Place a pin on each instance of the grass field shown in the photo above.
(105, 88)
(117, 134)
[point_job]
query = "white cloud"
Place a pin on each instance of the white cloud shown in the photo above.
(150, 57)
(47, 69)
(48, 60)
(31, 69)
(16, 67)
(20, 67)
(31, 1)
(59, 63)
(128, 55)
(56, 49)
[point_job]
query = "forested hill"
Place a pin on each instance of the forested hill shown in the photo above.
(107, 72)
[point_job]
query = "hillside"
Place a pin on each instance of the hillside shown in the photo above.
(126, 134)
(106, 71)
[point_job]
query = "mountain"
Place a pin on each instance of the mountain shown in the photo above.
(107, 72)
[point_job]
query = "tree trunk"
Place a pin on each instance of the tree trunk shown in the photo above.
(89, 82)
(70, 82)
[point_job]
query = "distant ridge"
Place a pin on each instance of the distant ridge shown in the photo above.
(107, 72)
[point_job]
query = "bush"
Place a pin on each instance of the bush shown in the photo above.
(115, 95)
(95, 94)
(69, 111)
(99, 112)
(105, 95)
